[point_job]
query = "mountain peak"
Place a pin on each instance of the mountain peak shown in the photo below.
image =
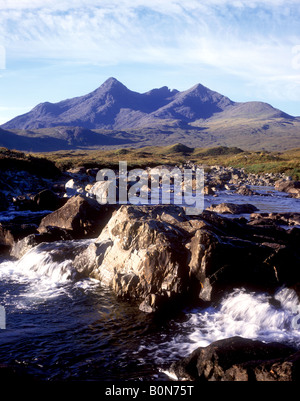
(114, 106)
(112, 83)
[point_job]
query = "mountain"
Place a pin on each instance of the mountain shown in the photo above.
(47, 140)
(113, 106)
(195, 117)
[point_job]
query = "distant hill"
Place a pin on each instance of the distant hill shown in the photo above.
(113, 115)
(46, 140)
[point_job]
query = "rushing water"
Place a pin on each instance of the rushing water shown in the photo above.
(61, 327)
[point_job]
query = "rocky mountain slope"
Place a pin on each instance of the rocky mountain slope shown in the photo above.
(113, 115)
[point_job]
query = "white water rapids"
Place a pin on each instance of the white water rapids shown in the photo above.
(47, 267)
(45, 275)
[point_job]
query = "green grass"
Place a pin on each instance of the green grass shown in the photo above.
(252, 161)
(19, 161)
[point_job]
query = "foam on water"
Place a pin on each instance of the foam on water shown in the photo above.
(241, 313)
(42, 273)
(250, 315)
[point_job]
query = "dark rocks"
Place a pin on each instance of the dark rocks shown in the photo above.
(245, 191)
(47, 200)
(23, 245)
(289, 186)
(240, 359)
(11, 232)
(232, 208)
(157, 254)
(43, 200)
(83, 217)
(280, 219)
(220, 177)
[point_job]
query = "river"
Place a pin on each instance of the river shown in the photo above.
(61, 327)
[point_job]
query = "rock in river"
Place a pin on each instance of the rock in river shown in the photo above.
(158, 253)
(232, 208)
(82, 217)
(240, 359)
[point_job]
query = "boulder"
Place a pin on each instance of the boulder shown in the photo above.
(10, 233)
(157, 254)
(43, 200)
(23, 245)
(19, 227)
(246, 191)
(140, 254)
(46, 200)
(73, 188)
(82, 217)
(289, 186)
(240, 359)
(280, 219)
(80, 170)
(232, 208)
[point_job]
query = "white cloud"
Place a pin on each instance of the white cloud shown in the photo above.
(249, 39)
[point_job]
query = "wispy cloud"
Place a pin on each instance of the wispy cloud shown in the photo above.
(251, 39)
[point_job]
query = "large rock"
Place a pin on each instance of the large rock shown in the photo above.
(14, 230)
(23, 245)
(46, 200)
(246, 191)
(280, 219)
(232, 208)
(11, 233)
(155, 254)
(43, 200)
(141, 255)
(289, 186)
(240, 359)
(80, 216)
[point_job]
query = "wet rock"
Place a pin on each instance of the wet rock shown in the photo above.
(232, 208)
(280, 219)
(43, 200)
(246, 191)
(22, 246)
(240, 359)
(83, 217)
(46, 200)
(11, 232)
(141, 254)
(73, 188)
(208, 190)
(23, 202)
(157, 254)
(289, 186)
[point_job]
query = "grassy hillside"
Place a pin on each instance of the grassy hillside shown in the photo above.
(256, 162)
(19, 161)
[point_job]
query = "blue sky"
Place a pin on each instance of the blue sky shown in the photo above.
(53, 50)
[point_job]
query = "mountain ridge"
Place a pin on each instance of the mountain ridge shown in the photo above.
(197, 116)
(114, 106)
